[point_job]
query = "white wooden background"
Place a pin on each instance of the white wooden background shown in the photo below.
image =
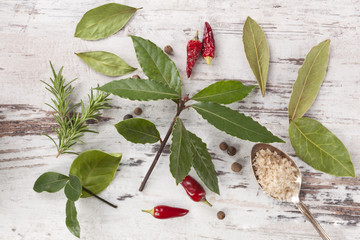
(34, 32)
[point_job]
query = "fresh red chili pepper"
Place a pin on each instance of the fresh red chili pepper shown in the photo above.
(193, 50)
(194, 190)
(208, 50)
(163, 212)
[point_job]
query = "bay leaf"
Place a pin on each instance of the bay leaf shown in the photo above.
(106, 63)
(138, 130)
(257, 51)
(73, 188)
(139, 89)
(234, 123)
(95, 169)
(50, 182)
(156, 64)
(71, 219)
(320, 148)
(181, 154)
(309, 80)
(223, 92)
(103, 21)
(202, 163)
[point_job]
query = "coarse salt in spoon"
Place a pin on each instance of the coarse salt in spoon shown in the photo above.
(280, 178)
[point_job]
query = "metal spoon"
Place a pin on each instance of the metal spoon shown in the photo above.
(296, 200)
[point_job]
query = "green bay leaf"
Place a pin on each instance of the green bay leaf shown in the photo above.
(73, 188)
(181, 154)
(202, 163)
(223, 92)
(309, 80)
(234, 123)
(50, 182)
(139, 89)
(156, 64)
(71, 219)
(138, 130)
(320, 148)
(103, 21)
(106, 63)
(257, 51)
(95, 169)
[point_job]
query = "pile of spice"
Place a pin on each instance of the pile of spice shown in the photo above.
(276, 175)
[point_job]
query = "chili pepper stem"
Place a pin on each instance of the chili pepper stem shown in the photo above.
(206, 202)
(149, 211)
(208, 60)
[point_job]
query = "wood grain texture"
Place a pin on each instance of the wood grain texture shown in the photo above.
(34, 32)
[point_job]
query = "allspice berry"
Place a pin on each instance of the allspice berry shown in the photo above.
(135, 76)
(128, 116)
(168, 49)
(236, 167)
(221, 215)
(137, 111)
(231, 151)
(223, 146)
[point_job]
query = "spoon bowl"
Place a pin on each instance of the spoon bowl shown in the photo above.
(296, 200)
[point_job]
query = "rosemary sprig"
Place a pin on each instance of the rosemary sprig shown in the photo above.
(72, 125)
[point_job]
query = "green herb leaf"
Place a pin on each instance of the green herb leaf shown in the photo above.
(257, 51)
(320, 148)
(139, 89)
(71, 219)
(181, 155)
(95, 169)
(156, 64)
(138, 130)
(234, 123)
(309, 80)
(106, 63)
(50, 182)
(73, 188)
(223, 92)
(103, 21)
(203, 164)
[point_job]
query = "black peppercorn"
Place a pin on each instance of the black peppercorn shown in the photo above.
(137, 111)
(128, 116)
(236, 167)
(223, 146)
(221, 215)
(168, 49)
(231, 151)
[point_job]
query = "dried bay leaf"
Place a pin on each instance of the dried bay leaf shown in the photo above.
(50, 182)
(73, 188)
(320, 148)
(309, 80)
(71, 218)
(257, 51)
(138, 130)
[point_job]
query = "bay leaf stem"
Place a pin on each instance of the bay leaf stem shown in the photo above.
(101, 199)
(181, 107)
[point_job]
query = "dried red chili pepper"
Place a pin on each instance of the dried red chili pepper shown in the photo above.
(163, 212)
(195, 191)
(193, 50)
(208, 50)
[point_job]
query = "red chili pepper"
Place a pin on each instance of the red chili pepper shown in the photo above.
(194, 190)
(193, 50)
(208, 50)
(163, 212)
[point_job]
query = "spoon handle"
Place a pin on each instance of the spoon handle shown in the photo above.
(304, 210)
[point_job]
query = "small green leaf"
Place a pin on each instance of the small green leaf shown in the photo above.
(156, 64)
(50, 182)
(203, 164)
(73, 188)
(106, 63)
(234, 123)
(223, 92)
(181, 154)
(95, 169)
(320, 148)
(138, 130)
(257, 51)
(309, 80)
(103, 21)
(139, 89)
(71, 219)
